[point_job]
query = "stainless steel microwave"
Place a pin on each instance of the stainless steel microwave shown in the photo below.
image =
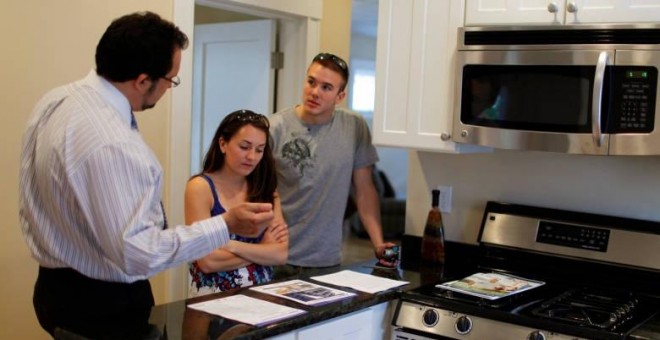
(582, 90)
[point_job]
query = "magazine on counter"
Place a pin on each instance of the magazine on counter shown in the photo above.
(304, 292)
(491, 285)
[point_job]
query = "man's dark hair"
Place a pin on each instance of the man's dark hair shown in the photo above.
(334, 63)
(138, 43)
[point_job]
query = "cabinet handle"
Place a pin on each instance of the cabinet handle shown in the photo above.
(552, 7)
(445, 136)
(571, 7)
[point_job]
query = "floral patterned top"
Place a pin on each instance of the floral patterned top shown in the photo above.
(202, 284)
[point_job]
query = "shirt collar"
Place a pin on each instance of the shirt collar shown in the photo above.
(110, 93)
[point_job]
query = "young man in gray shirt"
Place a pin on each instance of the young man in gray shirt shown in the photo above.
(321, 151)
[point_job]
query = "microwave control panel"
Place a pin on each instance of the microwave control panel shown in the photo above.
(634, 91)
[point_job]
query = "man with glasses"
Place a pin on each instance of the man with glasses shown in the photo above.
(320, 151)
(90, 190)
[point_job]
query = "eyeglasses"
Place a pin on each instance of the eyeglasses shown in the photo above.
(174, 80)
(336, 60)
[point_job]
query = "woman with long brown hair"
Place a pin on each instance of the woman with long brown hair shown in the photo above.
(238, 167)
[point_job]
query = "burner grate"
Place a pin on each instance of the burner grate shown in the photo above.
(606, 310)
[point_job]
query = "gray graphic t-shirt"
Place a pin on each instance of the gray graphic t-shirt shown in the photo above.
(314, 166)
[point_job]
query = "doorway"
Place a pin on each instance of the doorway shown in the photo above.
(231, 71)
(298, 36)
(364, 22)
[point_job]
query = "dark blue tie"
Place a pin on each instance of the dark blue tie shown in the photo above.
(134, 122)
(134, 126)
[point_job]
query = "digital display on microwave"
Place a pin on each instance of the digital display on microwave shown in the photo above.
(637, 74)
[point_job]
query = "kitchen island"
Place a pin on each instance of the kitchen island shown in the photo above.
(176, 321)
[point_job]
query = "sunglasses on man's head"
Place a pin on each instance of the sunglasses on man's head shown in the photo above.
(335, 59)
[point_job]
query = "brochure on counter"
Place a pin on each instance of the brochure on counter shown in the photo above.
(303, 292)
(246, 309)
(359, 281)
(491, 286)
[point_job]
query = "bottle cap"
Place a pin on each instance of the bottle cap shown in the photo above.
(435, 197)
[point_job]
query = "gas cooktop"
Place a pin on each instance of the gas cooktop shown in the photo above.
(596, 284)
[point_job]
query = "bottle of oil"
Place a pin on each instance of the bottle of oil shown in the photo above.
(433, 241)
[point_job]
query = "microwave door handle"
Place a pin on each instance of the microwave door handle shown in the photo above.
(596, 98)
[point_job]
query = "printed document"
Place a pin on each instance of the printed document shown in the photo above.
(359, 281)
(246, 309)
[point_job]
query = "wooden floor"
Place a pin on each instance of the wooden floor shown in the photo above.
(356, 249)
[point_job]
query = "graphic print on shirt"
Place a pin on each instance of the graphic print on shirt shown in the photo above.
(298, 153)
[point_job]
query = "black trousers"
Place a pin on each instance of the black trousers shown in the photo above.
(65, 299)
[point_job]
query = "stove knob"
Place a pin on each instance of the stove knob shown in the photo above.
(463, 325)
(430, 318)
(536, 335)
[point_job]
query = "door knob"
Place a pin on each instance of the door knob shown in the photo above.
(571, 7)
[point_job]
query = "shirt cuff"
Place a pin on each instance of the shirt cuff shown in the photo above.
(217, 231)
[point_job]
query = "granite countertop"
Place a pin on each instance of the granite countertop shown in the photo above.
(175, 321)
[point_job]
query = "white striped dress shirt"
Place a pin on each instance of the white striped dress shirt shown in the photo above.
(90, 190)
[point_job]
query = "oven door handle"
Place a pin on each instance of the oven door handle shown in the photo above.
(597, 98)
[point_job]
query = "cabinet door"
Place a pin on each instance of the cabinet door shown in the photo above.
(612, 11)
(415, 73)
(352, 326)
(507, 12)
(286, 336)
(390, 127)
(373, 323)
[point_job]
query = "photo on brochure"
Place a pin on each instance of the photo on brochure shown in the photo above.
(303, 292)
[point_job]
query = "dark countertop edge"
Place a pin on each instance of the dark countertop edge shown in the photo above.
(411, 269)
(320, 314)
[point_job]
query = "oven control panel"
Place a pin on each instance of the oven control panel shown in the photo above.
(574, 236)
(593, 237)
(414, 321)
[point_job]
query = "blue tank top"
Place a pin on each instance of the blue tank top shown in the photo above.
(242, 277)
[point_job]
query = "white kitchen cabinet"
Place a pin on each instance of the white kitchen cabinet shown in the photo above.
(511, 12)
(415, 58)
(369, 324)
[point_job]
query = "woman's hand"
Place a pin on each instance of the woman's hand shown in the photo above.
(276, 233)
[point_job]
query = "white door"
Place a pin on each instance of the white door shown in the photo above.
(231, 71)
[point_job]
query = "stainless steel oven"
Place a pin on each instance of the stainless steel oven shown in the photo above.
(583, 90)
(601, 275)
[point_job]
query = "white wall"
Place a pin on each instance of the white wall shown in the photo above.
(620, 186)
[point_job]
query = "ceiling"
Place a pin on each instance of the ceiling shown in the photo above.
(364, 18)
